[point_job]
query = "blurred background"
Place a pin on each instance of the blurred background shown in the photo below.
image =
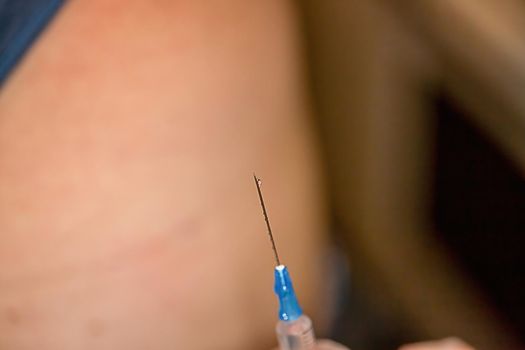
(421, 106)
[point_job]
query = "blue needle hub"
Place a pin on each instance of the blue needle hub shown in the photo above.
(289, 309)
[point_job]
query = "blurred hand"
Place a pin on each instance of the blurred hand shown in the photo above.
(327, 345)
(444, 344)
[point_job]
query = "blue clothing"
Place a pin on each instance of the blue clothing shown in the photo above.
(21, 21)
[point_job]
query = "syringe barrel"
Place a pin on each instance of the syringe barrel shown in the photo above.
(296, 335)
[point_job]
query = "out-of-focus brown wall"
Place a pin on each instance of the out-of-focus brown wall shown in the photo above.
(372, 63)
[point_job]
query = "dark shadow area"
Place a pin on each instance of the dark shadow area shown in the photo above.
(479, 211)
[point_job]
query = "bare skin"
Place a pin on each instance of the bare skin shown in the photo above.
(128, 215)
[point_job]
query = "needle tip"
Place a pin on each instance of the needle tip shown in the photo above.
(258, 181)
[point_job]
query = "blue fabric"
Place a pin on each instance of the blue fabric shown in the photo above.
(21, 21)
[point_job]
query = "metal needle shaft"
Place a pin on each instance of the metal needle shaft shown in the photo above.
(258, 183)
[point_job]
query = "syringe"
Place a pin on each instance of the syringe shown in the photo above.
(294, 329)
